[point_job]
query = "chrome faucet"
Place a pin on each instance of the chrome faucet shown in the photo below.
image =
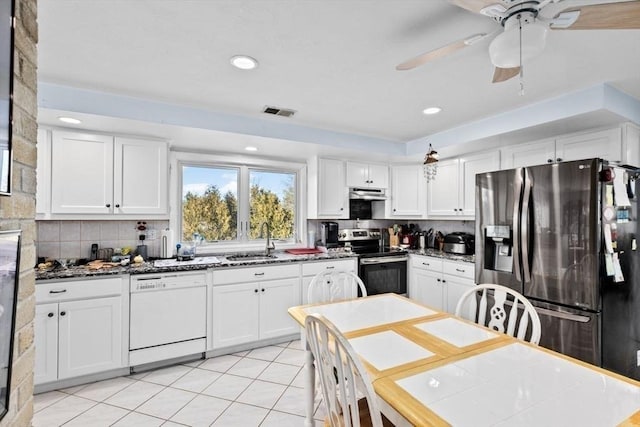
(270, 246)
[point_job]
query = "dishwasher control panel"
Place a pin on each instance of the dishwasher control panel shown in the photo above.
(159, 282)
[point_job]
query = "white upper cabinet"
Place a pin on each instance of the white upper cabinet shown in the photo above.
(81, 173)
(442, 192)
(328, 195)
(605, 144)
(470, 166)
(408, 192)
(100, 175)
(139, 167)
(529, 154)
(452, 193)
(619, 145)
(364, 175)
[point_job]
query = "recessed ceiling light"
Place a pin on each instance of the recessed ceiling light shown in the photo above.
(244, 62)
(251, 148)
(432, 110)
(70, 120)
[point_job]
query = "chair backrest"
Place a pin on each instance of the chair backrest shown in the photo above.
(328, 286)
(343, 379)
(473, 306)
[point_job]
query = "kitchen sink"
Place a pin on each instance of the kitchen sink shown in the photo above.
(249, 257)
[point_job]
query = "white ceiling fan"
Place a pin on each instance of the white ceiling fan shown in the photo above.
(523, 29)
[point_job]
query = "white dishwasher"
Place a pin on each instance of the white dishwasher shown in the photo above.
(167, 316)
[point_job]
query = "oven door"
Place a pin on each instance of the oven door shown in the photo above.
(384, 274)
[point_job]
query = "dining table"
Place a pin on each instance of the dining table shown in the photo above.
(431, 368)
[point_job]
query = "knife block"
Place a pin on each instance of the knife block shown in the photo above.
(393, 238)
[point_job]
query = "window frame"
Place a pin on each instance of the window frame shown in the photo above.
(179, 159)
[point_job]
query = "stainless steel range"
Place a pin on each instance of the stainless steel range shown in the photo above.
(382, 269)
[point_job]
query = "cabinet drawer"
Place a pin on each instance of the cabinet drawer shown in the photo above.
(427, 263)
(79, 289)
(461, 269)
(313, 268)
(253, 274)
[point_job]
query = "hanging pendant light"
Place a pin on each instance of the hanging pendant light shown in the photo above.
(430, 165)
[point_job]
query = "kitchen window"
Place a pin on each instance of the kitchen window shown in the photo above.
(226, 205)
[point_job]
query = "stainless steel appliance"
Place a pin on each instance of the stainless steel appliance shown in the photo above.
(329, 234)
(459, 243)
(381, 268)
(168, 316)
(367, 194)
(540, 230)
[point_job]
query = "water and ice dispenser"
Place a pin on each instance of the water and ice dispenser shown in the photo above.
(498, 248)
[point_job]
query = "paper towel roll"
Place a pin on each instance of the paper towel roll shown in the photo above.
(167, 244)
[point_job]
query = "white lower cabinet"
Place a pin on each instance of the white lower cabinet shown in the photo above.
(439, 283)
(250, 304)
(311, 269)
(78, 328)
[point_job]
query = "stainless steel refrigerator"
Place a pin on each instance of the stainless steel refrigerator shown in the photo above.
(541, 231)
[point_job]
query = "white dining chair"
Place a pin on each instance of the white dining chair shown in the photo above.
(347, 391)
(329, 286)
(504, 311)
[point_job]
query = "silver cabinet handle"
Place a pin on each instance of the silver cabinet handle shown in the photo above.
(460, 270)
(259, 274)
(62, 291)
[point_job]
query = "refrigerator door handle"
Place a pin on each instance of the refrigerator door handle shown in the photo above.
(563, 315)
(525, 227)
(517, 198)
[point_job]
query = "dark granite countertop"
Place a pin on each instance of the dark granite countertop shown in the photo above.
(444, 255)
(149, 267)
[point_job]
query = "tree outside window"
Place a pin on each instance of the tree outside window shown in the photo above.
(213, 203)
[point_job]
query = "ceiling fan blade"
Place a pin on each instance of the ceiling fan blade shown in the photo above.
(442, 51)
(476, 5)
(504, 74)
(431, 55)
(614, 16)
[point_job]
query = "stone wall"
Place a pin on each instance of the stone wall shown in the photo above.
(18, 210)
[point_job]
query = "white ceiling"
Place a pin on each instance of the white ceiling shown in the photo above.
(332, 61)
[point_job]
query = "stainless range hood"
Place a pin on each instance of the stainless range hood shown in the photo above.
(367, 194)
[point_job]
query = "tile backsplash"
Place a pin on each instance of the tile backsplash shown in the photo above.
(73, 239)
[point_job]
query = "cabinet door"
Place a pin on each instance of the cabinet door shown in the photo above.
(378, 176)
(427, 288)
(43, 172)
(90, 336)
(606, 144)
(235, 314)
(469, 167)
(276, 297)
(455, 286)
(442, 193)
(529, 154)
(140, 177)
(81, 173)
(408, 188)
(46, 343)
(357, 174)
(332, 191)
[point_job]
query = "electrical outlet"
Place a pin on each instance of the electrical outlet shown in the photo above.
(151, 234)
(638, 357)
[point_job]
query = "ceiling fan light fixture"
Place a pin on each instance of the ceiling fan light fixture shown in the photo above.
(504, 50)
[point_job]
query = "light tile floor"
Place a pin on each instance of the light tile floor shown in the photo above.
(262, 387)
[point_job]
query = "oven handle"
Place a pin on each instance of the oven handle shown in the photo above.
(383, 260)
